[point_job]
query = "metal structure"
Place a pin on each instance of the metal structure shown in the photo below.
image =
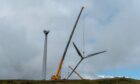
(45, 55)
(82, 58)
(58, 74)
(76, 73)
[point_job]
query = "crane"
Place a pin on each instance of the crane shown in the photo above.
(57, 76)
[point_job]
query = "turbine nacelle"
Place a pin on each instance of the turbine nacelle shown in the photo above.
(46, 32)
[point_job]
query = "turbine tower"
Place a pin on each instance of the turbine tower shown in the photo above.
(45, 56)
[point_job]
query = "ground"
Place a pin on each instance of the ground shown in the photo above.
(99, 81)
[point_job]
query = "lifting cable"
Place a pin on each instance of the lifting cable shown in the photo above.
(84, 36)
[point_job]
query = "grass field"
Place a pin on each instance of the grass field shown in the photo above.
(99, 81)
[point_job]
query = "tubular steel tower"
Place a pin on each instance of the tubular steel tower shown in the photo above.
(45, 56)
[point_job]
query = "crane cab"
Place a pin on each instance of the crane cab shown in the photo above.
(54, 77)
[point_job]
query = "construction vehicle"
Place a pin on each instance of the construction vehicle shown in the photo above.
(82, 57)
(57, 76)
(77, 73)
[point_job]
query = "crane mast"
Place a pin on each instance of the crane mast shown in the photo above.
(58, 74)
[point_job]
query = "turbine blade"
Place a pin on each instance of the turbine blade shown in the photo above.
(76, 73)
(90, 55)
(75, 68)
(79, 53)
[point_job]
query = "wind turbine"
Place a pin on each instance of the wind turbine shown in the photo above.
(45, 55)
(82, 57)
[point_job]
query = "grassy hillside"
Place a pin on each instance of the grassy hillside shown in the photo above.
(99, 81)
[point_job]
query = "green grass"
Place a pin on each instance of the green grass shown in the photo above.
(99, 81)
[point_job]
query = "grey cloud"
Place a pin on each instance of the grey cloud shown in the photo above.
(21, 38)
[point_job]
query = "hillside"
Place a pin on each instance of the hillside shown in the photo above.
(99, 81)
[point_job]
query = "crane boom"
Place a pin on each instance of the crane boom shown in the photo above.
(57, 76)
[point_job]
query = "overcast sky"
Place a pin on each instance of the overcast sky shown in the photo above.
(111, 25)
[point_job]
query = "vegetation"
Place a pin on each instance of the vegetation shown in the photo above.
(99, 81)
